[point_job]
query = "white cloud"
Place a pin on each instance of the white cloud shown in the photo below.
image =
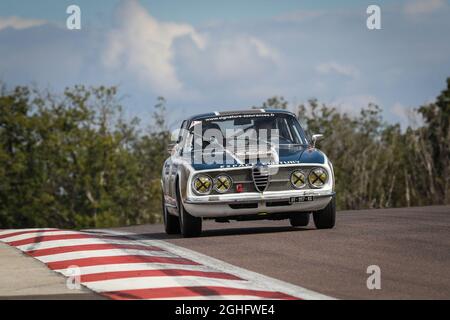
(240, 57)
(233, 69)
(418, 7)
(336, 68)
(263, 50)
(354, 103)
(406, 116)
(143, 46)
(166, 57)
(19, 23)
(400, 110)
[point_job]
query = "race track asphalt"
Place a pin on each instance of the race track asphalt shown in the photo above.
(410, 245)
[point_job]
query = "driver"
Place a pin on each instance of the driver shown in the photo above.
(263, 127)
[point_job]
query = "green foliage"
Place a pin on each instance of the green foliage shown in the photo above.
(274, 102)
(436, 142)
(74, 162)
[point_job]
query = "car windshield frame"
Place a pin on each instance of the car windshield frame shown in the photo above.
(289, 129)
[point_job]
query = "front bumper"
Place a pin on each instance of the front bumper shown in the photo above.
(266, 202)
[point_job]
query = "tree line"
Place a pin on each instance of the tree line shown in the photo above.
(74, 161)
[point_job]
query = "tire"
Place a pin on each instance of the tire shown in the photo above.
(190, 226)
(171, 223)
(326, 218)
(299, 219)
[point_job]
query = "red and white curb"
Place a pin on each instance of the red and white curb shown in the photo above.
(121, 265)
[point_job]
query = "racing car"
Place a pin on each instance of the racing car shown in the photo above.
(246, 165)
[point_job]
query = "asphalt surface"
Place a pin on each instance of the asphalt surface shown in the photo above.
(410, 245)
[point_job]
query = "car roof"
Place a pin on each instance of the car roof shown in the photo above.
(237, 112)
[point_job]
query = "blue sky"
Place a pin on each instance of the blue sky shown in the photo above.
(217, 55)
(191, 11)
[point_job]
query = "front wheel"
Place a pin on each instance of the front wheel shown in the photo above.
(326, 218)
(190, 226)
(171, 223)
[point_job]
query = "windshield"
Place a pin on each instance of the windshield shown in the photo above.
(261, 127)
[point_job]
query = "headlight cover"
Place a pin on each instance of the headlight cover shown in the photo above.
(318, 177)
(202, 184)
(298, 179)
(222, 183)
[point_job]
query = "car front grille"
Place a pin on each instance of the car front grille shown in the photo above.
(269, 181)
(260, 176)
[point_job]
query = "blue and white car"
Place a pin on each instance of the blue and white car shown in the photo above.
(246, 165)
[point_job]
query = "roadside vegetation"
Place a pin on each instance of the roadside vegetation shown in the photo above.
(73, 161)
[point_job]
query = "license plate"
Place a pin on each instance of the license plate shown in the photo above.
(301, 199)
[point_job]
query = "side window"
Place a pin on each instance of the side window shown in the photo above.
(188, 145)
(182, 135)
(182, 130)
(298, 131)
(283, 128)
(296, 134)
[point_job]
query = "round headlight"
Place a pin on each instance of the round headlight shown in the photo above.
(202, 184)
(318, 177)
(222, 183)
(298, 179)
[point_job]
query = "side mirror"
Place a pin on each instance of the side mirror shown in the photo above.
(315, 138)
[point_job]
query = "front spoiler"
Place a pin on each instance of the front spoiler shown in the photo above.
(219, 206)
(256, 197)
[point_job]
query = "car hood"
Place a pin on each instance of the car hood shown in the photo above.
(291, 155)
